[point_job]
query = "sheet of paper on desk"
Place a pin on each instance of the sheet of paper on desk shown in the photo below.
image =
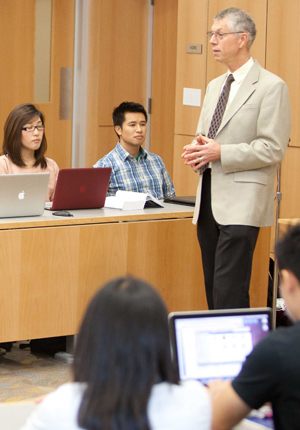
(129, 200)
(115, 203)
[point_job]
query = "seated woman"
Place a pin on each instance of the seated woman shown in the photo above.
(123, 374)
(25, 144)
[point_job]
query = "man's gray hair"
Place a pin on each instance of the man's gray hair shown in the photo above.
(238, 20)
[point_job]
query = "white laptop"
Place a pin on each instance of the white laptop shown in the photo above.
(23, 194)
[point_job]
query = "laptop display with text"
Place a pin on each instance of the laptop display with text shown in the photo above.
(208, 345)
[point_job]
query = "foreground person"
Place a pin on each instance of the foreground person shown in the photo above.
(123, 374)
(271, 373)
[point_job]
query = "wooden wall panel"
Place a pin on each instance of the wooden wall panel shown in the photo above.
(17, 26)
(190, 73)
(166, 268)
(283, 59)
(191, 68)
(59, 132)
(290, 184)
(33, 295)
(49, 274)
(164, 80)
(185, 179)
(17, 32)
(260, 269)
(103, 255)
(105, 140)
(258, 10)
(122, 54)
(10, 266)
(42, 297)
(283, 56)
(117, 64)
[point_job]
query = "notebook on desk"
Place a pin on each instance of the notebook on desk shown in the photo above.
(80, 188)
(23, 194)
(208, 345)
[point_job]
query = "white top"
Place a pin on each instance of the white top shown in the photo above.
(171, 407)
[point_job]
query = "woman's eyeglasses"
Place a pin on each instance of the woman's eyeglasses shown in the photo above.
(33, 127)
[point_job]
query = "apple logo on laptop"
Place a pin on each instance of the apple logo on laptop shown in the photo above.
(82, 189)
(21, 195)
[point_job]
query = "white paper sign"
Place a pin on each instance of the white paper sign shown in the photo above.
(191, 97)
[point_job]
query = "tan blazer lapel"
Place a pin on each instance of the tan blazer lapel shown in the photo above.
(247, 88)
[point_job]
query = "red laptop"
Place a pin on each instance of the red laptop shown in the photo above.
(83, 188)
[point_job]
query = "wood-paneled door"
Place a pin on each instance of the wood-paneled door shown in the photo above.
(117, 67)
(17, 51)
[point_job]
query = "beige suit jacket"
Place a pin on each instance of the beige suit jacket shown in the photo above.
(254, 135)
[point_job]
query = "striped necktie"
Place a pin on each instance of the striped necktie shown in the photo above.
(218, 113)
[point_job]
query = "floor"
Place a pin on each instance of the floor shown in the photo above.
(25, 375)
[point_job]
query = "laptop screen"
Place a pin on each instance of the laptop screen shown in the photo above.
(214, 344)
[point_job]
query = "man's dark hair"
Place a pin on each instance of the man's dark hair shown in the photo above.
(122, 350)
(120, 111)
(288, 252)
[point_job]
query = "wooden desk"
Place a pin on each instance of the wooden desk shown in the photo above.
(50, 267)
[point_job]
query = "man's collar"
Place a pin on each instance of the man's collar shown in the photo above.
(123, 154)
(143, 152)
(240, 73)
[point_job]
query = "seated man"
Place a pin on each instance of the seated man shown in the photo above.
(134, 168)
(271, 373)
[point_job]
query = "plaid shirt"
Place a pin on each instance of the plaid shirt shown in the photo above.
(148, 174)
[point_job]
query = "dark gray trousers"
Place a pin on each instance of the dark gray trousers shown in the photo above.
(227, 253)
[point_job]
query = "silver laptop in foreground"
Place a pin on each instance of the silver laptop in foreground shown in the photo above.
(210, 345)
(23, 194)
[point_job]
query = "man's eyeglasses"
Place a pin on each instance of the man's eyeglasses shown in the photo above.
(33, 127)
(219, 36)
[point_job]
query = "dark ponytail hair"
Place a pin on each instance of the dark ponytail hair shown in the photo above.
(122, 350)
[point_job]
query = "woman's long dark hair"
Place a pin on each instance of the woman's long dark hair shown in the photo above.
(16, 120)
(122, 350)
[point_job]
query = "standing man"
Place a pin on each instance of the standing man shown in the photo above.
(242, 134)
(134, 168)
